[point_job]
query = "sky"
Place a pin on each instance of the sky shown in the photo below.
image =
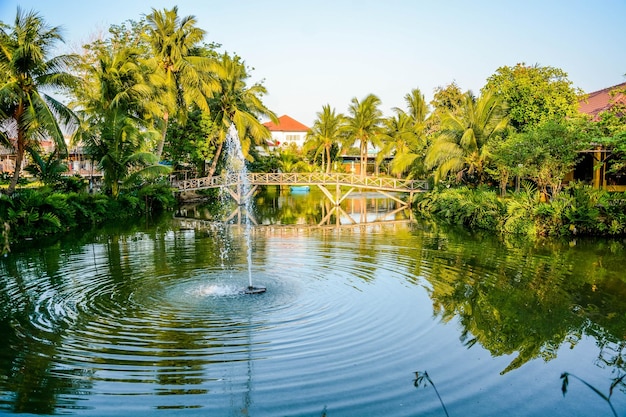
(317, 52)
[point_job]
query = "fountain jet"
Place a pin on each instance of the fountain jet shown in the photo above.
(236, 165)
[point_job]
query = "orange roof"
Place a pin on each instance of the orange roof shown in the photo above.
(286, 124)
(598, 101)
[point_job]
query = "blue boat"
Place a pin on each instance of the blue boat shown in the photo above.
(299, 188)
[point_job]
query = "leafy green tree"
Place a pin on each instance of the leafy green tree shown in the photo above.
(234, 102)
(113, 128)
(290, 160)
(182, 76)
(325, 133)
(189, 144)
(27, 114)
(534, 94)
(446, 99)
(610, 131)
(551, 151)
(460, 146)
(363, 125)
(506, 159)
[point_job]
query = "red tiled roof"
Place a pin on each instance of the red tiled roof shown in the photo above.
(286, 124)
(599, 101)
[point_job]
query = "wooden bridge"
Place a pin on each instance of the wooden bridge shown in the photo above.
(343, 184)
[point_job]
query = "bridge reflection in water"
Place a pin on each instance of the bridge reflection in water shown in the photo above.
(303, 212)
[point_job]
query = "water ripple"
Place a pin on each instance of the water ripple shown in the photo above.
(164, 323)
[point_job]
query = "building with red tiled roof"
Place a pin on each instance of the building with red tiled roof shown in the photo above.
(287, 131)
(594, 167)
(598, 101)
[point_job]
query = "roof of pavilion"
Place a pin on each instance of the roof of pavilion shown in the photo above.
(596, 102)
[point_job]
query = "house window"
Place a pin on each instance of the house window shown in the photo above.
(292, 138)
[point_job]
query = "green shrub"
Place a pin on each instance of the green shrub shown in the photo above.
(30, 213)
(579, 209)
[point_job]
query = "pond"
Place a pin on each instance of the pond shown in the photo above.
(149, 319)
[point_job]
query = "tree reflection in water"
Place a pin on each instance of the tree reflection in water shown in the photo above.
(512, 298)
(533, 298)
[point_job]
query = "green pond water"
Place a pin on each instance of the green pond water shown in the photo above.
(149, 318)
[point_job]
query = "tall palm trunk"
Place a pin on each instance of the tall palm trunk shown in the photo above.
(19, 154)
(216, 157)
(363, 158)
(19, 157)
(159, 150)
(328, 159)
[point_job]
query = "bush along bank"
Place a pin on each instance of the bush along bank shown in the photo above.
(32, 213)
(577, 210)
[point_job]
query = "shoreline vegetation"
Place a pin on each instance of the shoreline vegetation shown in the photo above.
(578, 210)
(32, 213)
(153, 98)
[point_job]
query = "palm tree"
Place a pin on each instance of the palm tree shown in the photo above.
(460, 146)
(182, 76)
(400, 139)
(324, 134)
(48, 168)
(27, 113)
(363, 126)
(113, 129)
(404, 135)
(235, 103)
(417, 107)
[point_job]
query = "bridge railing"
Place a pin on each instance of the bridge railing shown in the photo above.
(313, 178)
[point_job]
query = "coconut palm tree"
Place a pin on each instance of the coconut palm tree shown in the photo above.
(460, 147)
(113, 128)
(363, 126)
(181, 74)
(400, 139)
(27, 70)
(404, 135)
(325, 133)
(235, 103)
(417, 108)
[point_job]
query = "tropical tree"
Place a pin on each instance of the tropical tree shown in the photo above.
(363, 125)
(290, 160)
(459, 148)
(190, 144)
(551, 151)
(48, 168)
(234, 102)
(404, 135)
(27, 113)
(113, 128)
(610, 131)
(182, 75)
(325, 133)
(445, 100)
(398, 138)
(534, 94)
(417, 108)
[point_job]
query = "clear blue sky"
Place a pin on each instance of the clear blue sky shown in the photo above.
(311, 53)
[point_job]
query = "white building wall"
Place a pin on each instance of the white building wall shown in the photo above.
(287, 138)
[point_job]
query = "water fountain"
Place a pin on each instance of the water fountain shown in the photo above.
(236, 166)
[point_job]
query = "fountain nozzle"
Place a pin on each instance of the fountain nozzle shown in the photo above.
(254, 290)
